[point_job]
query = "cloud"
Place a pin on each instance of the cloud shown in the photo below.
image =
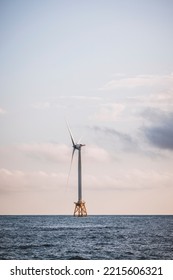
(46, 105)
(122, 81)
(162, 100)
(97, 154)
(153, 115)
(20, 181)
(134, 179)
(56, 153)
(160, 134)
(61, 101)
(46, 151)
(41, 105)
(117, 138)
(2, 111)
(15, 181)
(165, 97)
(108, 112)
(82, 97)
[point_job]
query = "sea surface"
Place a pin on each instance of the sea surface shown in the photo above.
(92, 237)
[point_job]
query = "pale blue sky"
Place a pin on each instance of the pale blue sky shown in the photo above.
(107, 67)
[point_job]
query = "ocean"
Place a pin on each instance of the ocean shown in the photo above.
(91, 238)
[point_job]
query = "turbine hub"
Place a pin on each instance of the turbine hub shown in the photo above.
(78, 146)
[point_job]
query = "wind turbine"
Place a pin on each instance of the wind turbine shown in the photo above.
(80, 208)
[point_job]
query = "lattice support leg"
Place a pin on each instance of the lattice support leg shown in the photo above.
(80, 209)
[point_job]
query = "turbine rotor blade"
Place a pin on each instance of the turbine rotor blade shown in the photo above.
(71, 136)
(78, 142)
(70, 165)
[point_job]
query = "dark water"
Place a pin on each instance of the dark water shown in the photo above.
(92, 237)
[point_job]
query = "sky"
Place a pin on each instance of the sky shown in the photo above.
(106, 67)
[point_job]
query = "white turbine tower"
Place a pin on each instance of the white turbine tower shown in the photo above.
(80, 208)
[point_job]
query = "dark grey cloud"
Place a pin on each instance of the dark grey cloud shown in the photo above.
(109, 131)
(116, 137)
(160, 133)
(154, 115)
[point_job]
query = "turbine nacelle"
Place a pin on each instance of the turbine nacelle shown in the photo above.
(78, 146)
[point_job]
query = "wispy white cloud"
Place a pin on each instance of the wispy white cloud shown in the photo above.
(122, 81)
(42, 154)
(133, 179)
(46, 151)
(82, 97)
(97, 154)
(20, 181)
(61, 101)
(157, 99)
(41, 105)
(108, 112)
(60, 153)
(2, 111)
